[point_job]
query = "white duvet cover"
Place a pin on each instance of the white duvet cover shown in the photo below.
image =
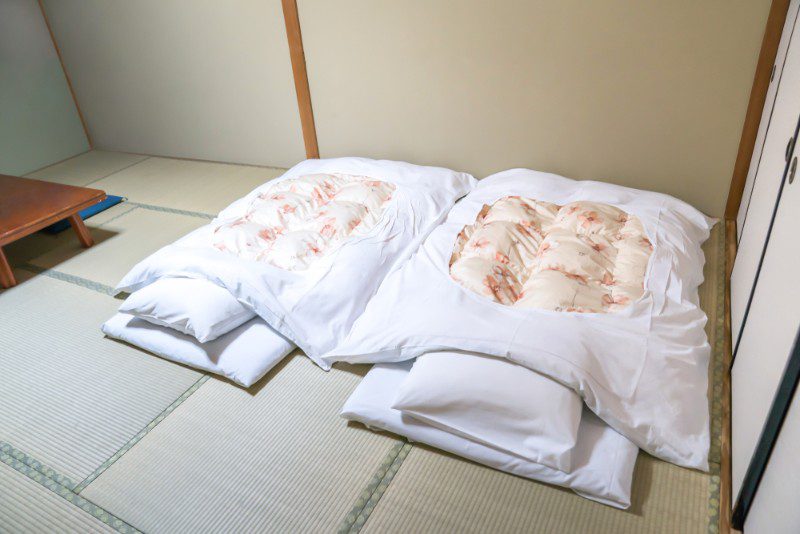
(556, 291)
(495, 402)
(307, 251)
(602, 462)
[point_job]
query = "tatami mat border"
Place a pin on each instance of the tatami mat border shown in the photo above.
(717, 377)
(718, 346)
(138, 161)
(59, 162)
(49, 472)
(24, 464)
(151, 207)
(142, 433)
(71, 278)
(115, 217)
(366, 502)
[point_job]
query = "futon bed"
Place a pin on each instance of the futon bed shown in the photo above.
(591, 284)
(541, 326)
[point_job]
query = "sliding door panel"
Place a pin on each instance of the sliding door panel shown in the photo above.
(765, 188)
(769, 333)
(774, 508)
(766, 115)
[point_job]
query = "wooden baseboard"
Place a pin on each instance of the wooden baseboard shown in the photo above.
(725, 497)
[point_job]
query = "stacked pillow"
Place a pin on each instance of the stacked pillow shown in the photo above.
(494, 402)
(194, 307)
(198, 323)
(498, 414)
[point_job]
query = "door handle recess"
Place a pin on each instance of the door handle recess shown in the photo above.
(789, 147)
(793, 170)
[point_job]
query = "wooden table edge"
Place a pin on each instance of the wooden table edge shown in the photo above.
(35, 226)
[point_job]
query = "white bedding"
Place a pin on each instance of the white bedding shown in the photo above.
(495, 402)
(194, 307)
(244, 355)
(602, 461)
(308, 250)
(642, 369)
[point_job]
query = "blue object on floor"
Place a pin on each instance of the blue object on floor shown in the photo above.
(60, 226)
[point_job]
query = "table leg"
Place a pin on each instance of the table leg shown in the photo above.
(6, 274)
(83, 233)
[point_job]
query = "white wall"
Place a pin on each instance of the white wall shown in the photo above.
(647, 94)
(39, 124)
(201, 79)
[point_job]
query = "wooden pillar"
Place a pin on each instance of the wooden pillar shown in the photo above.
(298, 57)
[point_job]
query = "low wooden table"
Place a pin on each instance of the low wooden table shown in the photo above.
(28, 205)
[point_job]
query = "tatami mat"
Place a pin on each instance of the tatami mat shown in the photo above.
(435, 492)
(27, 506)
(119, 245)
(87, 168)
(276, 458)
(186, 185)
(71, 398)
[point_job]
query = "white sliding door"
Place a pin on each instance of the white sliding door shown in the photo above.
(766, 115)
(772, 323)
(766, 184)
(774, 509)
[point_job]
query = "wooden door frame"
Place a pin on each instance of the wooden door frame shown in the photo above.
(755, 107)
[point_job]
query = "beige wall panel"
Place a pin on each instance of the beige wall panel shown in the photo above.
(645, 94)
(189, 78)
(39, 124)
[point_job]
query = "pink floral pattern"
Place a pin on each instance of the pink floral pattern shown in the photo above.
(299, 220)
(583, 257)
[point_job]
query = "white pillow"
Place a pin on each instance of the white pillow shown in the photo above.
(245, 354)
(640, 363)
(193, 306)
(602, 462)
(494, 402)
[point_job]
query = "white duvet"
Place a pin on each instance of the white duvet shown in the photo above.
(307, 251)
(637, 354)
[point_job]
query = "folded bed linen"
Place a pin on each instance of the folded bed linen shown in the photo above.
(602, 462)
(244, 355)
(495, 402)
(591, 284)
(306, 251)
